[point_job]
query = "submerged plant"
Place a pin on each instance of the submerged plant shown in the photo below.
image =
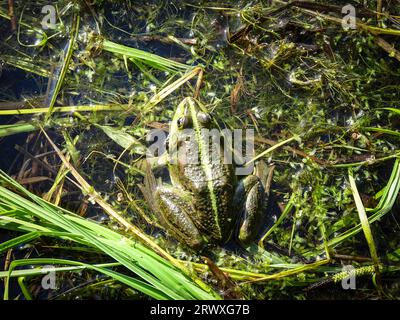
(322, 100)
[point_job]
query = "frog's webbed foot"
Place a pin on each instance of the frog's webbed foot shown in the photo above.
(250, 199)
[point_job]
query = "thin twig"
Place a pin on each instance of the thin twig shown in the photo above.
(353, 258)
(389, 48)
(379, 9)
(33, 158)
(11, 13)
(300, 153)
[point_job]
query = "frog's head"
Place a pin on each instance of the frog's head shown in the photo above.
(190, 115)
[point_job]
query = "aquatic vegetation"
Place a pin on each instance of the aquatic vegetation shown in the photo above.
(319, 87)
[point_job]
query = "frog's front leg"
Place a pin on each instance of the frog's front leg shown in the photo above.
(174, 208)
(250, 199)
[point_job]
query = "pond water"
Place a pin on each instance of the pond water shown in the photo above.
(318, 82)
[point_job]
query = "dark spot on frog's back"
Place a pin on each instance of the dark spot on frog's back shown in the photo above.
(205, 219)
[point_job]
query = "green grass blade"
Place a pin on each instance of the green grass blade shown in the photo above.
(12, 243)
(24, 289)
(152, 268)
(394, 110)
(10, 129)
(66, 109)
(150, 59)
(65, 65)
(130, 281)
(382, 130)
(364, 223)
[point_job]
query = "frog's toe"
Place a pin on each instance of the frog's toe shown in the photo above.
(196, 243)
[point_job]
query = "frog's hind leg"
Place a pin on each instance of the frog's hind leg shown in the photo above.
(175, 210)
(250, 199)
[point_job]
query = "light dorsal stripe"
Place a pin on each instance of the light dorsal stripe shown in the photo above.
(205, 163)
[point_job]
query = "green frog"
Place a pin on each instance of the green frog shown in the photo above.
(205, 202)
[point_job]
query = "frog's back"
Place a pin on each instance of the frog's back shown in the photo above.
(201, 170)
(213, 188)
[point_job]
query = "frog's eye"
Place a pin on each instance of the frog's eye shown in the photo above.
(183, 122)
(203, 118)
